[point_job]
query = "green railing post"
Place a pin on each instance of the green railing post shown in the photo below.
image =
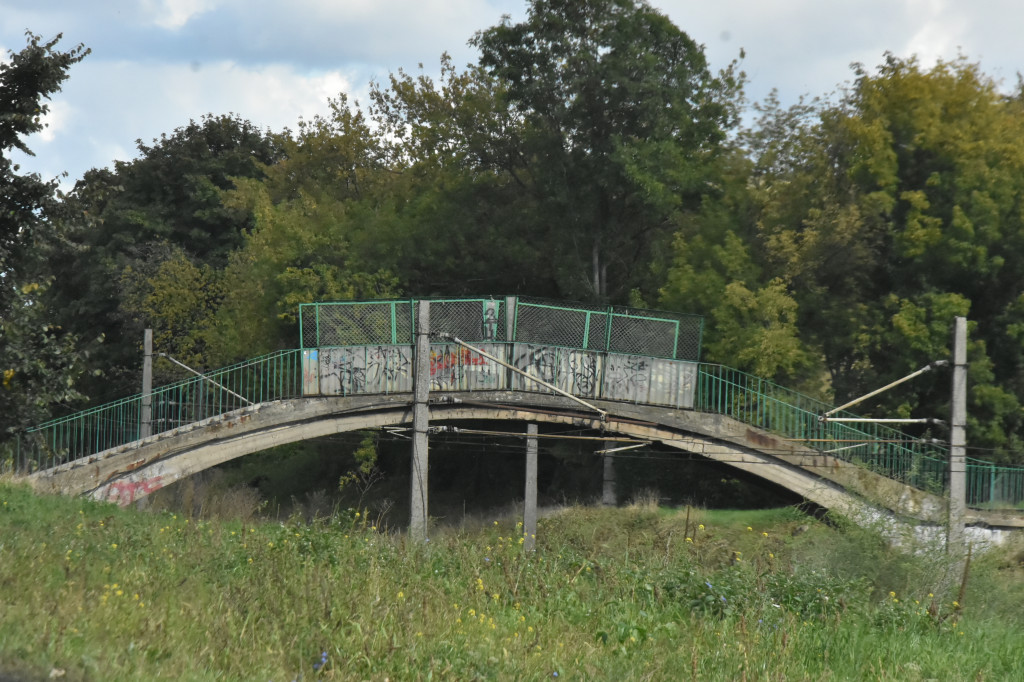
(394, 323)
(700, 338)
(608, 329)
(992, 485)
(412, 320)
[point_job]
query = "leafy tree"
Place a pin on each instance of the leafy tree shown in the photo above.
(176, 297)
(126, 221)
(305, 215)
(892, 211)
(461, 222)
(620, 121)
(39, 360)
(27, 79)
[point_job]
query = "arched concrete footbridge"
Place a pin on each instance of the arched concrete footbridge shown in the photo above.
(627, 367)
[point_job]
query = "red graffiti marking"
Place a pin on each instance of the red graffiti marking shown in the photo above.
(126, 492)
(444, 360)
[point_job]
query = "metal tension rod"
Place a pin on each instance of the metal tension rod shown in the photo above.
(624, 447)
(203, 376)
(926, 368)
(452, 337)
(920, 420)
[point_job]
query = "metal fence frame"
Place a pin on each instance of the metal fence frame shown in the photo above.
(617, 329)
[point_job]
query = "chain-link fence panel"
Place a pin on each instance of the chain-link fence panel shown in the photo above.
(472, 320)
(356, 324)
(643, 336)
(536, 321)
(551, 325)
(691, 330)
(655, 334)
(597, 331)
(405, 321)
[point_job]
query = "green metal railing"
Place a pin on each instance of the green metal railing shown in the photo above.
(990, 486)
(765, 405)
(271, 377)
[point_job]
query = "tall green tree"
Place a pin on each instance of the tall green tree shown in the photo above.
(621, 121)
(127, 221)
(894, 210)
(39, 360)
(461, 222)
(329, 190)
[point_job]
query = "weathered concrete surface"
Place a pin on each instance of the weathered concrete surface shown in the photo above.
(127, 473)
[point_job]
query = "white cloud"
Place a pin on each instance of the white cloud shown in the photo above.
(173, 14)
(55, 120)
(116, 104)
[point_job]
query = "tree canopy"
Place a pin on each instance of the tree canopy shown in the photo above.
(39, 360)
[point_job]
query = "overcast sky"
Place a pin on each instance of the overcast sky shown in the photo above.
(156, 64)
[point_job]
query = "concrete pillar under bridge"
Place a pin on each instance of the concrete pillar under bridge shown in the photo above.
(530, 498)
(609, 493)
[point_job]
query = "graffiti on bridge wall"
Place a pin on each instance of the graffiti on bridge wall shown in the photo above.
(574, 371)
(364, 369)
(537, 361)
(627, 377)
(386, 365)
(454, 367)
(583, 374)
(587, 374)
(125, 493)
(343, 371)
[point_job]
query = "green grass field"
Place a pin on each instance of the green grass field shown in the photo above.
(92, 592)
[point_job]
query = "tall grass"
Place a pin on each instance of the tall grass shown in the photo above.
(99, 593)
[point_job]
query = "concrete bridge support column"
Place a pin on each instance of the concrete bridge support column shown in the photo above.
(530, 499)
(609, 495)
(420, 424)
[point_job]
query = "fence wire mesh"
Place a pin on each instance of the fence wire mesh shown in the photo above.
(537, 321)
(470, 320)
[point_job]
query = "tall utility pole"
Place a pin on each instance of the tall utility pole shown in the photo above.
(958, 440)
(420, 424)
(146, 413)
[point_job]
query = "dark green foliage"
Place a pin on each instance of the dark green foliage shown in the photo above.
(39, 360)
(136, 222)
(27, 79)
(621, 120)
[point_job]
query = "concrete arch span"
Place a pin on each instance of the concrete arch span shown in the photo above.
(128, 473)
